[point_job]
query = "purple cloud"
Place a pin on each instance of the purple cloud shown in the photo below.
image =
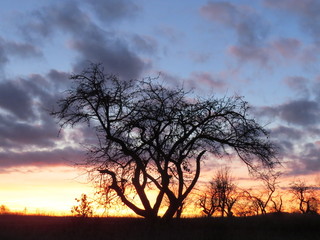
(300, 112)
(114, 10)
(145, 44)
(307, 161)
(12, 48)
(16, 100)
(287, 47)
(247, 24)
(299, 85)
(250, 53)
(205, 80)
(250, 29)
(92, 43)
(56, 157)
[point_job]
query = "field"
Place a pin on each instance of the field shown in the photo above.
(257, 228)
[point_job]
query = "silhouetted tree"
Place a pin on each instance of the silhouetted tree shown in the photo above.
(221, 194)
(265, 196)
(84, 209)
(4, 209)
(209, 201)
(153, 137)
(306, 197)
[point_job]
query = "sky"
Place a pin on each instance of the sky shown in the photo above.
(264, 50)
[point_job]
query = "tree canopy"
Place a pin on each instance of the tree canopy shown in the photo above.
(154, 138)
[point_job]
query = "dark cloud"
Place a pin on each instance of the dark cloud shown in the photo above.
(307, 161)
(56, 157)
(286, 138)
(16, 100)
(60, 80)
(24, 116)
(28, 134)
(301, 112)
(44, 22)
(92, 43)
(19, 135)
(9, 49)
(298, 84)
(114, 10)
(283, 132)
(114, 55)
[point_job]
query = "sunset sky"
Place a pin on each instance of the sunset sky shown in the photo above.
(265, 50)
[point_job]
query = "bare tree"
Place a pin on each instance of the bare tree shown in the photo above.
(277, 204)
(265, 196)
(220, 195)
(306, 196)
(209, 201)
(153, 137)
(84, 209)
(4, 209)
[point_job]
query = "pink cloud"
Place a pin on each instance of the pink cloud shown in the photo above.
(250, 53)
(287, 47)
(206, 80)
(247, 24)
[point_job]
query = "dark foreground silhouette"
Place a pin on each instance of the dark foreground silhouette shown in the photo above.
(261, 227)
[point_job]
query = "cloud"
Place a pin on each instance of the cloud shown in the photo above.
(206, 81)
(91, 42)
(114, 10)
(19, 135)
(145, 44)
(113, 54)
(300, 112)
(247, 24)
(307, 161)
(55, 157)
(283, 132)
(287, 47)
(299, 85)
(9, 49)
(16, 100)
(250, 53)
(250, 30)
(24, 116)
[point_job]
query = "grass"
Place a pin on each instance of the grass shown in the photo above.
(258, 228)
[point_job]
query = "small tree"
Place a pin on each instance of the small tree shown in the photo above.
(220, 196)
(84, 209)
(153, 137)
(265, 196)
(4, 209)
(305, 196)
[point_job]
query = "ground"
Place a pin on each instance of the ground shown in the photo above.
(282, 227)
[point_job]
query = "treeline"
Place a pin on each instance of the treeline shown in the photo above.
(222, 197)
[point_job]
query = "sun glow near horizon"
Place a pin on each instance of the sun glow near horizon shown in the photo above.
(52, 191)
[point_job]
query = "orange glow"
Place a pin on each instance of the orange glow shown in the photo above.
(52, 191)
(42, 190)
